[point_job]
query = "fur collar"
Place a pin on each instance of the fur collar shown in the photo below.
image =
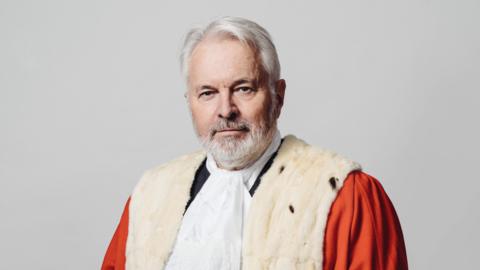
(286, 221)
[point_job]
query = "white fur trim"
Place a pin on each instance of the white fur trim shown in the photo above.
(156, 211)
(299, 182)
(275, 238)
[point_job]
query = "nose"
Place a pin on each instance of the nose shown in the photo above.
(228, 110)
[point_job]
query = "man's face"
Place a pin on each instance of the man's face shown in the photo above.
(231, 106)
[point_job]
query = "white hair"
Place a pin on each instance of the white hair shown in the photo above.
(243, 30)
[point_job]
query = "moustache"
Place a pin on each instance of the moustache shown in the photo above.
(223, 124)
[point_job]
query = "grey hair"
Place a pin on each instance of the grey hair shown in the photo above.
(243, 30)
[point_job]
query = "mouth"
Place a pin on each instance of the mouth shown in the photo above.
(231, 131)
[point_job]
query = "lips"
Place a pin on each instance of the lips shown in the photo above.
(227, 130)
(232, 129)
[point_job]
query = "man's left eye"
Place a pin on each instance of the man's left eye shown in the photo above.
(245, 90)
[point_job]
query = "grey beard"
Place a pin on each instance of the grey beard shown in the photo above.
(233, 154)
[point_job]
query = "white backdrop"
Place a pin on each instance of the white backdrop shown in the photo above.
(91, 96)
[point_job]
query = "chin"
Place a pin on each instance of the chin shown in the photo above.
(237, 151)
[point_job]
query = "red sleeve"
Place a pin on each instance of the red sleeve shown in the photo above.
(363, 230)
(115, 256)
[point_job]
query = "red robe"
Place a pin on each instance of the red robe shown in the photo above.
(363, 230)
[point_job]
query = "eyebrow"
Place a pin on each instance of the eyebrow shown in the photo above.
(234, 84)
(206, 86)
(244, 80)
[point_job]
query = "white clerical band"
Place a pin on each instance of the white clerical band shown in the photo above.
(210, 236)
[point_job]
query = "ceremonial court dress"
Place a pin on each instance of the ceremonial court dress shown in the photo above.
(311, 209)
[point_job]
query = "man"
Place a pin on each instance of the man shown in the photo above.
(250, 199)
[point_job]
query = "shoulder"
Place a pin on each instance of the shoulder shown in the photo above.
(163, 180)
(302, 154)
(315, 161)
(362, 182)
(293, 147)
(179, 163)
(363, 203)
(165, 170)
(362, 186)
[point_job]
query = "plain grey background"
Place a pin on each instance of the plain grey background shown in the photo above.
(91, 96)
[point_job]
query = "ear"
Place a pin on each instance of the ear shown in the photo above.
(280, 87)
(187, 97)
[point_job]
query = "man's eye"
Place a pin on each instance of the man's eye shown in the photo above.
(245, 90)
(205, 94)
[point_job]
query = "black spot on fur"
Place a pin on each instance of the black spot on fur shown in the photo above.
(333, 182)
(281, 169)
(291, 208)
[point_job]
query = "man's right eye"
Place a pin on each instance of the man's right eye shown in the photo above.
(206, 94)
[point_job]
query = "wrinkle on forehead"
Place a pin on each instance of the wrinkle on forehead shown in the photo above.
(222, 60)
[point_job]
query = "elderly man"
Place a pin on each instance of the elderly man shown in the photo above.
(251, 199)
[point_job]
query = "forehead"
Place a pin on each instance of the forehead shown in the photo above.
(220, 61)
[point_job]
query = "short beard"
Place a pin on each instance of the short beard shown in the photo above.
(233, 153)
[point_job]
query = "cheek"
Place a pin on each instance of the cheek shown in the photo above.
(258, 111)
(202, 118)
